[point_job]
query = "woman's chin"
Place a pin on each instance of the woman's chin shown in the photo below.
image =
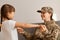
(43, 18)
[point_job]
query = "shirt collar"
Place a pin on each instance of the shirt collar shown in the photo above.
(49, 22)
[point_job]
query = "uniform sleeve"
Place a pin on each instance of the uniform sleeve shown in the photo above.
(39, 34)
(54, 33)
(27, 35)
(12, 23)
(51, 36)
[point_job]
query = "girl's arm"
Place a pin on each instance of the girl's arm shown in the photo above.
(24, 25)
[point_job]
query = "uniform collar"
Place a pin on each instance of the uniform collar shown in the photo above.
(49, 22)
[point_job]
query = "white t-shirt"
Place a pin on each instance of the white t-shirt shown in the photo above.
(9, 32)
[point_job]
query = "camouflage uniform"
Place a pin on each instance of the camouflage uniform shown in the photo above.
(51, 34)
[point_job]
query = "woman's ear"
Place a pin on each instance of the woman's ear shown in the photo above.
(50, 14)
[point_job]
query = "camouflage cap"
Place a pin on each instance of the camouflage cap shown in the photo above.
(45, 9)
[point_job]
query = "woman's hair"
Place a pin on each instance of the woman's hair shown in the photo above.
(6, 8)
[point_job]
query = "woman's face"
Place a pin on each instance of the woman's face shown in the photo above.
(45, 15)
(10, 15)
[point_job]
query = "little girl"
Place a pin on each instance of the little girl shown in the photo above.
(9, 26)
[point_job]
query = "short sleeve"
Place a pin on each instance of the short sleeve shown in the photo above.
(12, 23)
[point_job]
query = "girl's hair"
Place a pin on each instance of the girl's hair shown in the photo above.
(6, 8)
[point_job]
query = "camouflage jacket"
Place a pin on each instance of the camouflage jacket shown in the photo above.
(51, 34)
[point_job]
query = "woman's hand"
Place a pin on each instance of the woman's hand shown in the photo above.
(20, 30)
(43, 28)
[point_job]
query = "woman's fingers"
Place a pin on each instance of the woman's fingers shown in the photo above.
(43, 28)
(20, 30)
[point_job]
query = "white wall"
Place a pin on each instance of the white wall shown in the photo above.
(26, 9)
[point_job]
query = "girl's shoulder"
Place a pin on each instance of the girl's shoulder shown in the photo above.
(8, 21)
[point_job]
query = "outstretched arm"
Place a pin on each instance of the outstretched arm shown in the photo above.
(25, 25)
